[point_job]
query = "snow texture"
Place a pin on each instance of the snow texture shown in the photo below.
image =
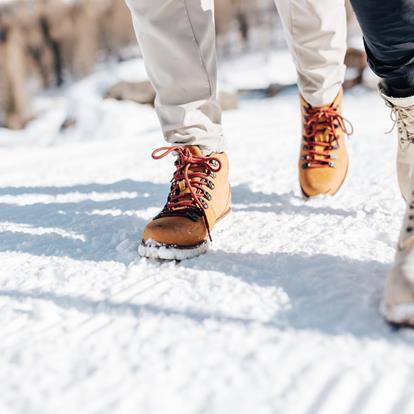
(280, 316)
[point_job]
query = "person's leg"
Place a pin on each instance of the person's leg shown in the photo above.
(177, 39)
(388, 28)
(315, 31)
(316, 35)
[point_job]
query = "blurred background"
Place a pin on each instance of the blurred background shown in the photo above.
(46, 45)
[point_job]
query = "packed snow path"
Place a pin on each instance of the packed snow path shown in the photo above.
(281, 316)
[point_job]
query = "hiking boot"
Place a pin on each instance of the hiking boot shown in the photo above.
(398, 302)
(199, 197)
(402, 113)
(323, 162)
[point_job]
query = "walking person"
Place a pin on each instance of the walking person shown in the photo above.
(177, 38)
(388, 28)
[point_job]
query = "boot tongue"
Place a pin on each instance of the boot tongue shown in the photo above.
(323, 132)
(195, 150)
(323, 135)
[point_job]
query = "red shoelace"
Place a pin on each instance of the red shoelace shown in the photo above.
(188, 194)
(321, 125)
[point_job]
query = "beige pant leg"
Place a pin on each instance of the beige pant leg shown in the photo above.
(316, 35)
(177, 39)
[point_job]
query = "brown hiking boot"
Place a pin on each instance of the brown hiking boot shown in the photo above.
(323, 162)
(199, 197)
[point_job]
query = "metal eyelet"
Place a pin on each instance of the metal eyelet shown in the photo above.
(409, 229)
(332, 164)
(207, 195)
(210, 185)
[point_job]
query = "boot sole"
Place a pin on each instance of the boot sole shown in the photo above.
(152, 249)
(402, 315)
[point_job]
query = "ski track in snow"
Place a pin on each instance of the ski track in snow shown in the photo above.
(281, 316)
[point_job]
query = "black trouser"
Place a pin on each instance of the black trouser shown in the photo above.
(388, 27)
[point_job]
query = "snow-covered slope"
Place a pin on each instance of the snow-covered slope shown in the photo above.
(280, 317)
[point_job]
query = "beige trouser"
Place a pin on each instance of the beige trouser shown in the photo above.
(177, 39)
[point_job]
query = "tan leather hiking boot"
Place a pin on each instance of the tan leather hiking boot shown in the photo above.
(199, 197)
(323, 162)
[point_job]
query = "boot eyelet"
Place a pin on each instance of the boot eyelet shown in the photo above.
(207, 195)
(210, 185)
(332, 164)
(409, 229)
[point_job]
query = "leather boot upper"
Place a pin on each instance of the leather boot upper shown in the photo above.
(199, 196)
(323, 161)
(403, 116)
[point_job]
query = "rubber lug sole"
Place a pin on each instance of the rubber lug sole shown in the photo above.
(401, 315)
(152, 249)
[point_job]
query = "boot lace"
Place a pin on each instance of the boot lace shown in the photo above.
(188, 195)
(404, 119)
(321, 126)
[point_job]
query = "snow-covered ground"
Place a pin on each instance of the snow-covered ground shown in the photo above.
(281, 316)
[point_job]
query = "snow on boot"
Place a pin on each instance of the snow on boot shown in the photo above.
(199, 197)
(323, 162)
(398, 302)
(402, 113)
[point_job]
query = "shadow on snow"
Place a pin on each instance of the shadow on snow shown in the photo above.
(330, 294)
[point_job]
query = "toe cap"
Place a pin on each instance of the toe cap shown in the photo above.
(176, 230)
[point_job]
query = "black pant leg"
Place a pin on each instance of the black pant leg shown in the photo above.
(388, 27)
